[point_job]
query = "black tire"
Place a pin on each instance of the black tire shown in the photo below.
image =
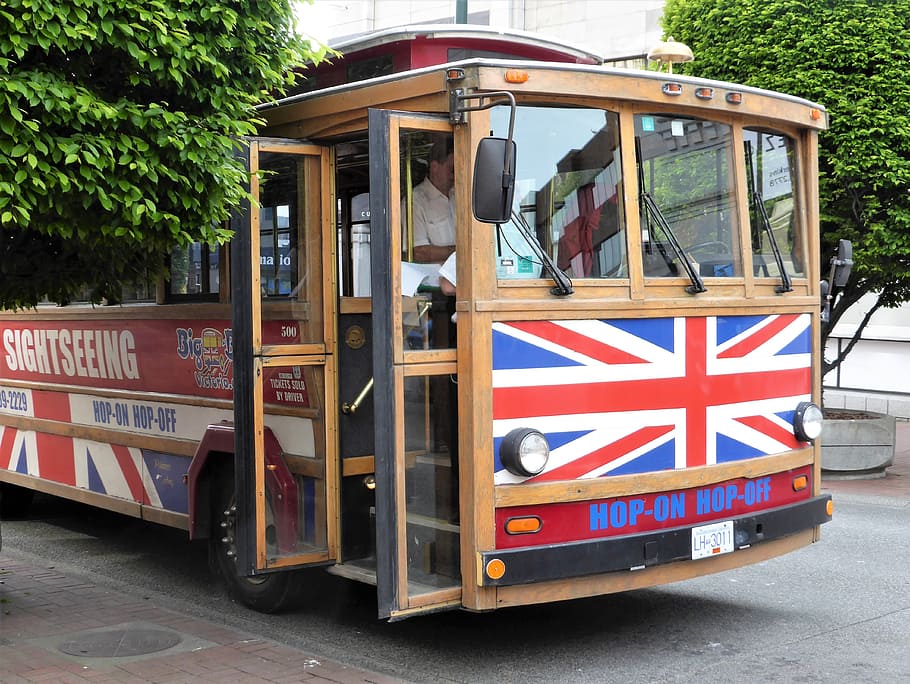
(268, 593)
(15, 501)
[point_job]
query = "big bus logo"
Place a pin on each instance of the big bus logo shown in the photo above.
(212, 353)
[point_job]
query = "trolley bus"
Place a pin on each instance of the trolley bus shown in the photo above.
(623, 392)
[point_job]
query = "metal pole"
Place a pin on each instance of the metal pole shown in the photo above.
(461, 11)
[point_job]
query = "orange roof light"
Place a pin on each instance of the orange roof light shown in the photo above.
(815, 114)
(672, 88)
(516, 76)
(734, 98)
(704, 93)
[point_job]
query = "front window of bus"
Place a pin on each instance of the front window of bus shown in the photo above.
(771, 175)
(568, 193)
(688, 208)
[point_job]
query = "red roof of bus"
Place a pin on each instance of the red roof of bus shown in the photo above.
(403, 48)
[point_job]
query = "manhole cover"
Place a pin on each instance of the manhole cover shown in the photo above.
(120, 643)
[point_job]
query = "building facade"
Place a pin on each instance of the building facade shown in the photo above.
(617, 29)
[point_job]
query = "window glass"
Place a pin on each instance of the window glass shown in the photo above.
(193, 270)
(279, 218)
(687, 196)
(771, 175)
(568, 193)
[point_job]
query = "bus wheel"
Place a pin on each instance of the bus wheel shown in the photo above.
(266, 593)
(15, 501)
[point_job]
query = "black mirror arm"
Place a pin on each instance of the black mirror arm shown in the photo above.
(457, 108)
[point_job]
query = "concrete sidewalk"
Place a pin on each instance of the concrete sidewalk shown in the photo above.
(896, 482)
(57, 627)
(61, 629)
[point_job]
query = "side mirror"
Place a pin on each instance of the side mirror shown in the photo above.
(842, 263)
(494, 180)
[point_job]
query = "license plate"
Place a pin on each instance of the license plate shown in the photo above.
(712, 540)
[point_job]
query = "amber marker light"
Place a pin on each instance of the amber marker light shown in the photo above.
(704, 93)
(734, 98)
(829, 507)
(495, 569)
(527, 525)
(672, 88)
(800, 482)
(517, 76)
(815, 114)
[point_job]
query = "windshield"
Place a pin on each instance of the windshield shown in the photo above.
(568, 193)
(771, 175)
(685, 166)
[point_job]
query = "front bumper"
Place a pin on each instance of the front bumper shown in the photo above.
(634, 551)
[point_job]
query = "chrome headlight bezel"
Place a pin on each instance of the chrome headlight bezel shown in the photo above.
(807, 421)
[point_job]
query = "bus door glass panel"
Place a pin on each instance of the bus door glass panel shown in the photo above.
(417, 531)
(290, 242)
(568, 193)
(292, 378)
(426, 177)
(771, 176)
(685, 165)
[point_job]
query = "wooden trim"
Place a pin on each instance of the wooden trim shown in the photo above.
(644, 90)
(258, 453)
(441, 598)
(425, 356)
(163, 517)
(306, 466)
(281, 361)
(255, 251)
(166, 445)
(132, 311)
(122, 506)
(419, 369)
(630, 197)
(740, 187)
(581, 308)
(561, 590)
(189, 399)
(624, 485)
(355, 305)
(399, 503)
(299, 559)
(357, 465)
(289, 147)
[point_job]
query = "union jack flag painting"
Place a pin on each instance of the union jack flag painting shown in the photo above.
(623, 396)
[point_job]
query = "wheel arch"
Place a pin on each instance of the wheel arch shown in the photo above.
(214, 453)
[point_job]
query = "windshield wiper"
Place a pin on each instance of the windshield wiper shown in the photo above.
(758, 206)
(563, 282)
(656, 216)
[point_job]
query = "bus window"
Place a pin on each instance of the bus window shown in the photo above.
(193, 270)
(771, 174)
(684, 164)
(568, 191)
(278, 225)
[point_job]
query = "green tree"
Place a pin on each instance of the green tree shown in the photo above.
(118, 123)
(852, 56)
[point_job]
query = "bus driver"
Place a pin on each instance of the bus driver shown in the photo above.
(433, 213)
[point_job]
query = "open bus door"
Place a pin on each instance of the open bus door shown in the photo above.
(414, 371)
(285, 465)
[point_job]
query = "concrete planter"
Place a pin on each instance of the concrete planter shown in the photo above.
(857, 444)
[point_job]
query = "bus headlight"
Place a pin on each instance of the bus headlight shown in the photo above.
(807, 421)
(524, 452)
